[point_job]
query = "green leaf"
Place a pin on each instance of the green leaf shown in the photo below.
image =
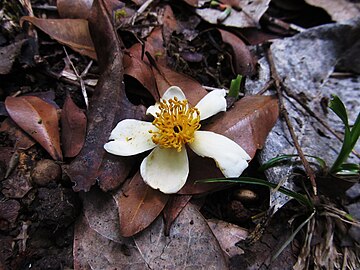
(351, 135)
(255, 181)
(235, 87)
(352, 167)
(276, 160)
(338, 108)
(355, 131)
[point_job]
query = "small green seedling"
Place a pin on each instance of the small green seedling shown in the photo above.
(235, 86)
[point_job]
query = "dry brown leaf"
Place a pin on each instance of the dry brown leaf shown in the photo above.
(141, 71)
(244, 63)
(228, 235)
(79, 9)
(38, 119)
(139, 205)
(190, 245)
(93, 250)
(73, 128)
(9, 54)
(70, 32)
(166, 77)
(108, 106)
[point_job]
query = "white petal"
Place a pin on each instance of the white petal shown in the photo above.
(165, 169)
(153, 109)
(130, 137)
(228, 155)
(174, 91)
(170, 93)
(212, 103)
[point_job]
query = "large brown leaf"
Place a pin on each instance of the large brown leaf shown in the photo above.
(71, 32)
(247, 123)
(97, 240)
(107, 107)
(73, 128)
(139, 205)
(190, 245)
(37, 118)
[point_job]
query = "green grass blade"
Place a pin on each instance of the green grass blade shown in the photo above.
(276, 160)
(355, 131)
(338, 107)
(351, 135)
(352, 167)
(255, 181)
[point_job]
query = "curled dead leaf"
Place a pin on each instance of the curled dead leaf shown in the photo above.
(70, 32)
(243, 61)
(38, 119)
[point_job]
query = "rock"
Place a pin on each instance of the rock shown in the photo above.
(46, 171)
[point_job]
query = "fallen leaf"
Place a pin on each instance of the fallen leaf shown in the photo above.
(141, 71)
(94, 251)
(247, 123)
(16, 186)
(173, 208)
(228, 235)
(70, 32)
(37, 118)
(9, 54)
(170, 24)
(245, 13)
(166, 77)
(74, 9)
(97, 240)
(190, 245)
(339, 10)
(9, 211)
(101, 213)
(22, 141)
(108, 106)
(155, 46)
(244, 63)
(73, 128)
(138, 205)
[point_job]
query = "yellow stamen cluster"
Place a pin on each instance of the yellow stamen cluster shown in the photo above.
(176, 124)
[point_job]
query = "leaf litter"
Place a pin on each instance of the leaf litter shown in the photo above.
(125, 217)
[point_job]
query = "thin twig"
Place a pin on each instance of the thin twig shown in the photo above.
(279, 86)
(266, 87)
(80, 77)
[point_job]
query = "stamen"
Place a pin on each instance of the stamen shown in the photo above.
(176, 124)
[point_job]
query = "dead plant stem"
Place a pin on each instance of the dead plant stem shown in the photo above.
(279, 87)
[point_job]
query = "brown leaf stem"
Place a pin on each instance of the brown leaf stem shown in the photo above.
(279, 87)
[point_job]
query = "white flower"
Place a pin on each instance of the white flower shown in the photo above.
(167, 167)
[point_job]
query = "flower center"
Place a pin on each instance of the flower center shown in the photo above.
(176, 124)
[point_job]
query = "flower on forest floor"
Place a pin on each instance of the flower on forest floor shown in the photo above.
(176, 124)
